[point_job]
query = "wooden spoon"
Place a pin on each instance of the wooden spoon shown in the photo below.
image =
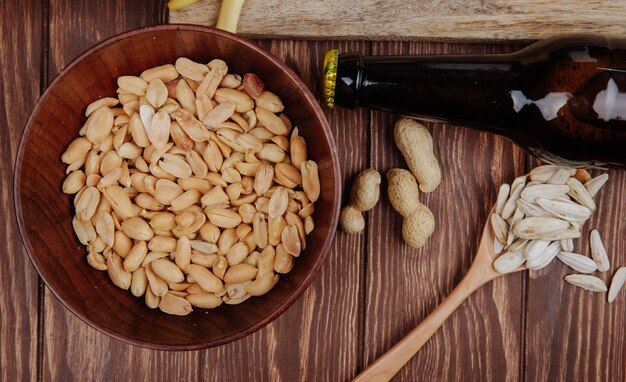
(480, 273)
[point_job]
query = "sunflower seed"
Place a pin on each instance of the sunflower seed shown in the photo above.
(500, 228)
(616, 284)
(503, 194)
(577, 262)
(595, 184)
(546, 191)
(560, 176)
(564, 209)
(567, 245)
(510, 205)
(544, 228)
(579, 193)
(590, 283)
(546, 256)
(598, 252)
(531, 209)
(509, 262)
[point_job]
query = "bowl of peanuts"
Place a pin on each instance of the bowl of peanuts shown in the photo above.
(177, 187)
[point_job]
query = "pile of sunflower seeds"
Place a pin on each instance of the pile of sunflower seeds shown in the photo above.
(537, 218)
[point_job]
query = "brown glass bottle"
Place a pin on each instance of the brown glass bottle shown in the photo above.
(563, 97)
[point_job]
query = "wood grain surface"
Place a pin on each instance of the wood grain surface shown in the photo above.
(372, 288)
(443, 20)
(22, 47)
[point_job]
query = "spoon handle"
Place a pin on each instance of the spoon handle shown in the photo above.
(385, 367)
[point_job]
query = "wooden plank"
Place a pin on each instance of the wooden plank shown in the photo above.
(20, 70)
(72, 350)
(318, 337)
(481, 341)
(457, 20)
(573, 334)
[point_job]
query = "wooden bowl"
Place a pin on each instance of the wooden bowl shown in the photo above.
(45, 213)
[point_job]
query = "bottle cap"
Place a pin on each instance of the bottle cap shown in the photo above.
(329, 79)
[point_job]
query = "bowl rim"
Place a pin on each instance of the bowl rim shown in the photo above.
(310, 276)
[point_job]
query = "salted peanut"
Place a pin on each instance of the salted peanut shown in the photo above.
(309, 225)
(222, 217)
(243, 230)
(252, 85)
(175, 305)
(272, 152)
(187, 199)
(215, 197)
(180, 137)
(212, 80)
(245, 199)
(74, 182)
(119, 201)
(92, 163)
(213, 156)
(233, 191)
(133, 85)
(263, 178)
(191, 69)
(152, 301)
(204, 300)
(186, 96)
(117, 274)
(203, 246)
(162, 243)
(163, 221)
(84, 230)
(310, 179)
(137, 228)
(247, 212)
(205, 278)
(126, 98)
(167, 271)
(227, 239)
(77, 151)
(104, 227)
(139, 282)
(239, 273)
(271, 121)
(278, 202)
(129, 150)
(202, 185)
(291, 240)
(219, 269)
(243, 102)
(121, 119)
(197, 164)
(185, 219)
(148, 202)
(262, 133)
(158, 286)
(237, 254)
(122, 244)
(156, 93)
(138, 131)
(253, 258)
(250, 142)
(110, 161)
(270, 102)
(98, 245)
(175, 166)
(131, 107)
(262, 204)
(298, 149)
(287, 175)
(179, 287)
(192, 127)
(294, 220)
(87, 203)
(241, 121)
(220, 114)
(262, 284)
(96, 261)
(247, 183)
(107, 102)
(275, 227)
(283, 261)
(159, 131)
(164, 73)
(182, 256)
(282, 142)
(248, 170)
(306, 211)
(231, 81)
(165, 191)
(210, 232)
(260, 230)
(229, 137)
(99, 125)
(136, 256)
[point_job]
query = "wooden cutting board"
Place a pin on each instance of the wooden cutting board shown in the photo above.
(432, 20)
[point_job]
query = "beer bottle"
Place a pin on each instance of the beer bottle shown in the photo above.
(563, 99)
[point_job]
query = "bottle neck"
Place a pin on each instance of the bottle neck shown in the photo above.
(469, 90)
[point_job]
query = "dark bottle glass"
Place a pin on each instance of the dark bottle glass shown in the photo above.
(561, 98)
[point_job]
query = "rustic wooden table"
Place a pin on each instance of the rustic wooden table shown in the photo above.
(371, 290)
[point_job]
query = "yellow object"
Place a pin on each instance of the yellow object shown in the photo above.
(178, 4)
(229, 15)
(329, 80)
